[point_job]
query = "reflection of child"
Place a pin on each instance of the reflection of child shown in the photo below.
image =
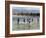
(18, 20)
(32, 19)
(28, 20)
(24, 20)
(38, 19)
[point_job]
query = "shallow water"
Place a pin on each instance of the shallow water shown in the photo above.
(25, 25)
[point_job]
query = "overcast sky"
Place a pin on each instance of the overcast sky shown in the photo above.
(25, 10)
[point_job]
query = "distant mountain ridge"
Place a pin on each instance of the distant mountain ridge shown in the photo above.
(25, 11)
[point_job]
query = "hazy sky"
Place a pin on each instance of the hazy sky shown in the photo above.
(25, 10)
